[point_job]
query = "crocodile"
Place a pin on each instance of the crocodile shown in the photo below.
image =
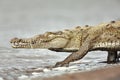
(79, 41)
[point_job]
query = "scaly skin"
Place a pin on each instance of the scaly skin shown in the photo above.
(80, 41)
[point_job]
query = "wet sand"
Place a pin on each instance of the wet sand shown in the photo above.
(111, 73)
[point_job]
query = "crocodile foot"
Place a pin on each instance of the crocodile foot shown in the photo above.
(113, 62)
(61, 64)
(112, 57)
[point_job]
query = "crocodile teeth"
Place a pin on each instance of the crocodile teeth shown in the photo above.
(13, 45)
(18, 44)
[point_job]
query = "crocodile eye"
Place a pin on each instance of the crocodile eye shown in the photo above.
(47, 33)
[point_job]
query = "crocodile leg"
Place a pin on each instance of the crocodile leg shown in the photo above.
(86, 46)
(75, 55)
(112, 57)
(118, 56)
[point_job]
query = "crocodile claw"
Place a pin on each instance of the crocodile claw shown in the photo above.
(61, 64)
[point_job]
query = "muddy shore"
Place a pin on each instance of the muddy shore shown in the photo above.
(111, 73)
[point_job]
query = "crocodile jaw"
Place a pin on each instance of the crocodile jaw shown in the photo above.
(20, 43)
(30, 43)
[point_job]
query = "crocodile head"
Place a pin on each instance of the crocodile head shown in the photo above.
(66, 40)
(47, 40)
